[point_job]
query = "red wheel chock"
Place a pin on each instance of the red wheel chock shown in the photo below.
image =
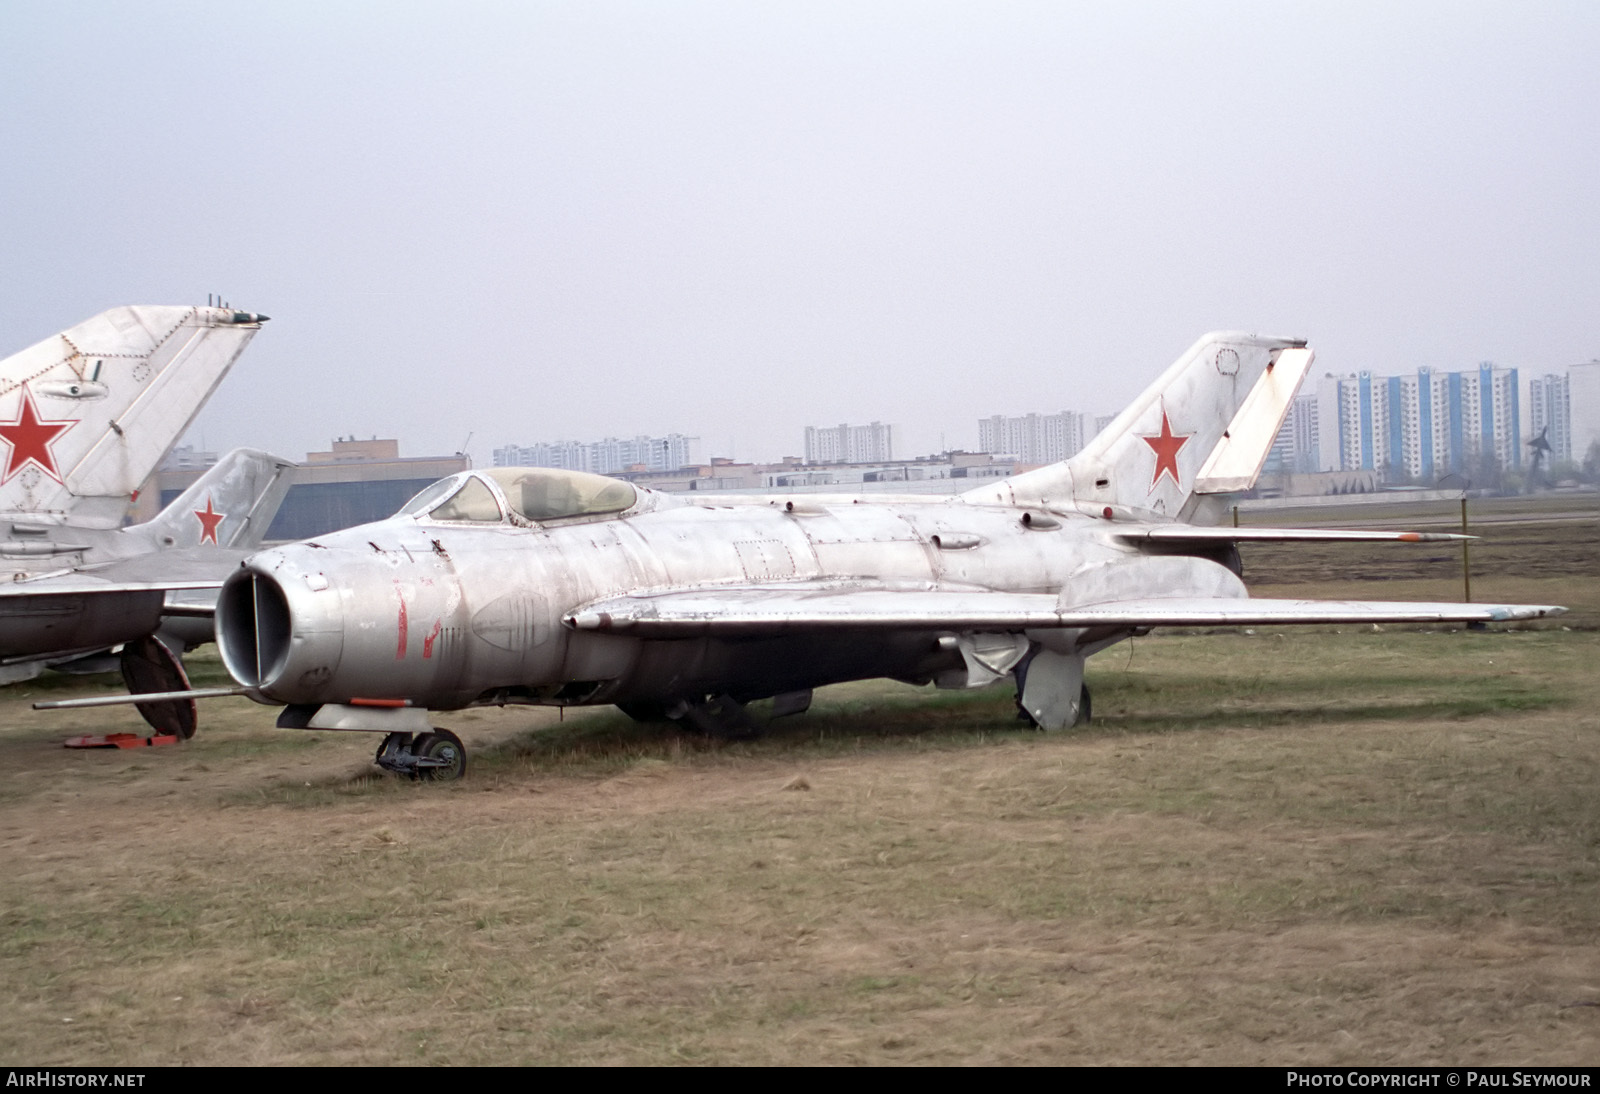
(121, 740)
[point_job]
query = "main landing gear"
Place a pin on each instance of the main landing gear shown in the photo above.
(438, 756)
(1085, 711)
(718, 716)
(1050, 688)
(149, 666)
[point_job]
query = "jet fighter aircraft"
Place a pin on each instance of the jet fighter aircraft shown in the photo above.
(85, 417)
(541, 586)
(150, 588)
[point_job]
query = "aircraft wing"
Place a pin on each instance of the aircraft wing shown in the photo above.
(739, 611)
(180, 568)
(1189, 533)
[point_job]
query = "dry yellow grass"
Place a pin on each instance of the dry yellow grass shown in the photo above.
(1330, 848)
(1364, 848)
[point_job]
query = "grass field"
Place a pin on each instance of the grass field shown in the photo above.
(1329, 847)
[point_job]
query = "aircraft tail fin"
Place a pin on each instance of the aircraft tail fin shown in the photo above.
(1203, 429)
(231, 505)
(86, 415)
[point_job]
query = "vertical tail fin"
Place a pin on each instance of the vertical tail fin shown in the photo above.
(1204, 427)
(85, 416)
(231, 505)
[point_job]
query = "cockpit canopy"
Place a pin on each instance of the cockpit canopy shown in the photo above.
(544, 493)
(533, 494)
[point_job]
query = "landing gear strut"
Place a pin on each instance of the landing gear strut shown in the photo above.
(438, 756)
(645, 710)
(720, 716)
(1084, 712)
(1051, 691)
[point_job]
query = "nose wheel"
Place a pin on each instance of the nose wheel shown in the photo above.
(438, 756)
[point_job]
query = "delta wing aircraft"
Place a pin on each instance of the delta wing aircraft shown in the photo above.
(532, 585)
(85, 417)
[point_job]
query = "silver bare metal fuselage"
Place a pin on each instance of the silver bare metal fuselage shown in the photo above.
(474, 613)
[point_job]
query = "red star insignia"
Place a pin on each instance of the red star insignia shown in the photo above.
(30, 439)
(1166, 447)
(209, 519)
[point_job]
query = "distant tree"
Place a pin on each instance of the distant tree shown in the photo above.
(1486, 472)
(1396, 474)
(1565, 470)
(1591, 463)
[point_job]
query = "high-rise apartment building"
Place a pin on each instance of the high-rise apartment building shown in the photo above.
(1423, 425)
(605, 457)
(1550, 413)
(1033, 438)
(849, 443)
(1294, 451)
(1568, 406)
(1583, 402)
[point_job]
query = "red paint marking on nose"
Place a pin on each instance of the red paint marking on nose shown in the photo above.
(427, 642)
(400, 649)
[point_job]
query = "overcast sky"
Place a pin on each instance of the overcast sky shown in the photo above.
(543, 221)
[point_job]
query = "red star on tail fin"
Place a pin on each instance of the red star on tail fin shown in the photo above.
(1166, 445)
(30, 439)
(209, 519)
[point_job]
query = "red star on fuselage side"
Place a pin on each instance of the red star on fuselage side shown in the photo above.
(30, 439)
(1166, 445)
(209, 519)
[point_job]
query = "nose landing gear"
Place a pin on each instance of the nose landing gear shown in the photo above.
(437, 756)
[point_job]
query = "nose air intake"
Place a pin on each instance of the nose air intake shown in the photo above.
(253, 628)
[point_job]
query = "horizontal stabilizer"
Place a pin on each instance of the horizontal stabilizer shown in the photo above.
(1188, 533)
(785, 609)
(180, 568)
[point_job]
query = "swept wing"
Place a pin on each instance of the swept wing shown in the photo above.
(752, 610)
